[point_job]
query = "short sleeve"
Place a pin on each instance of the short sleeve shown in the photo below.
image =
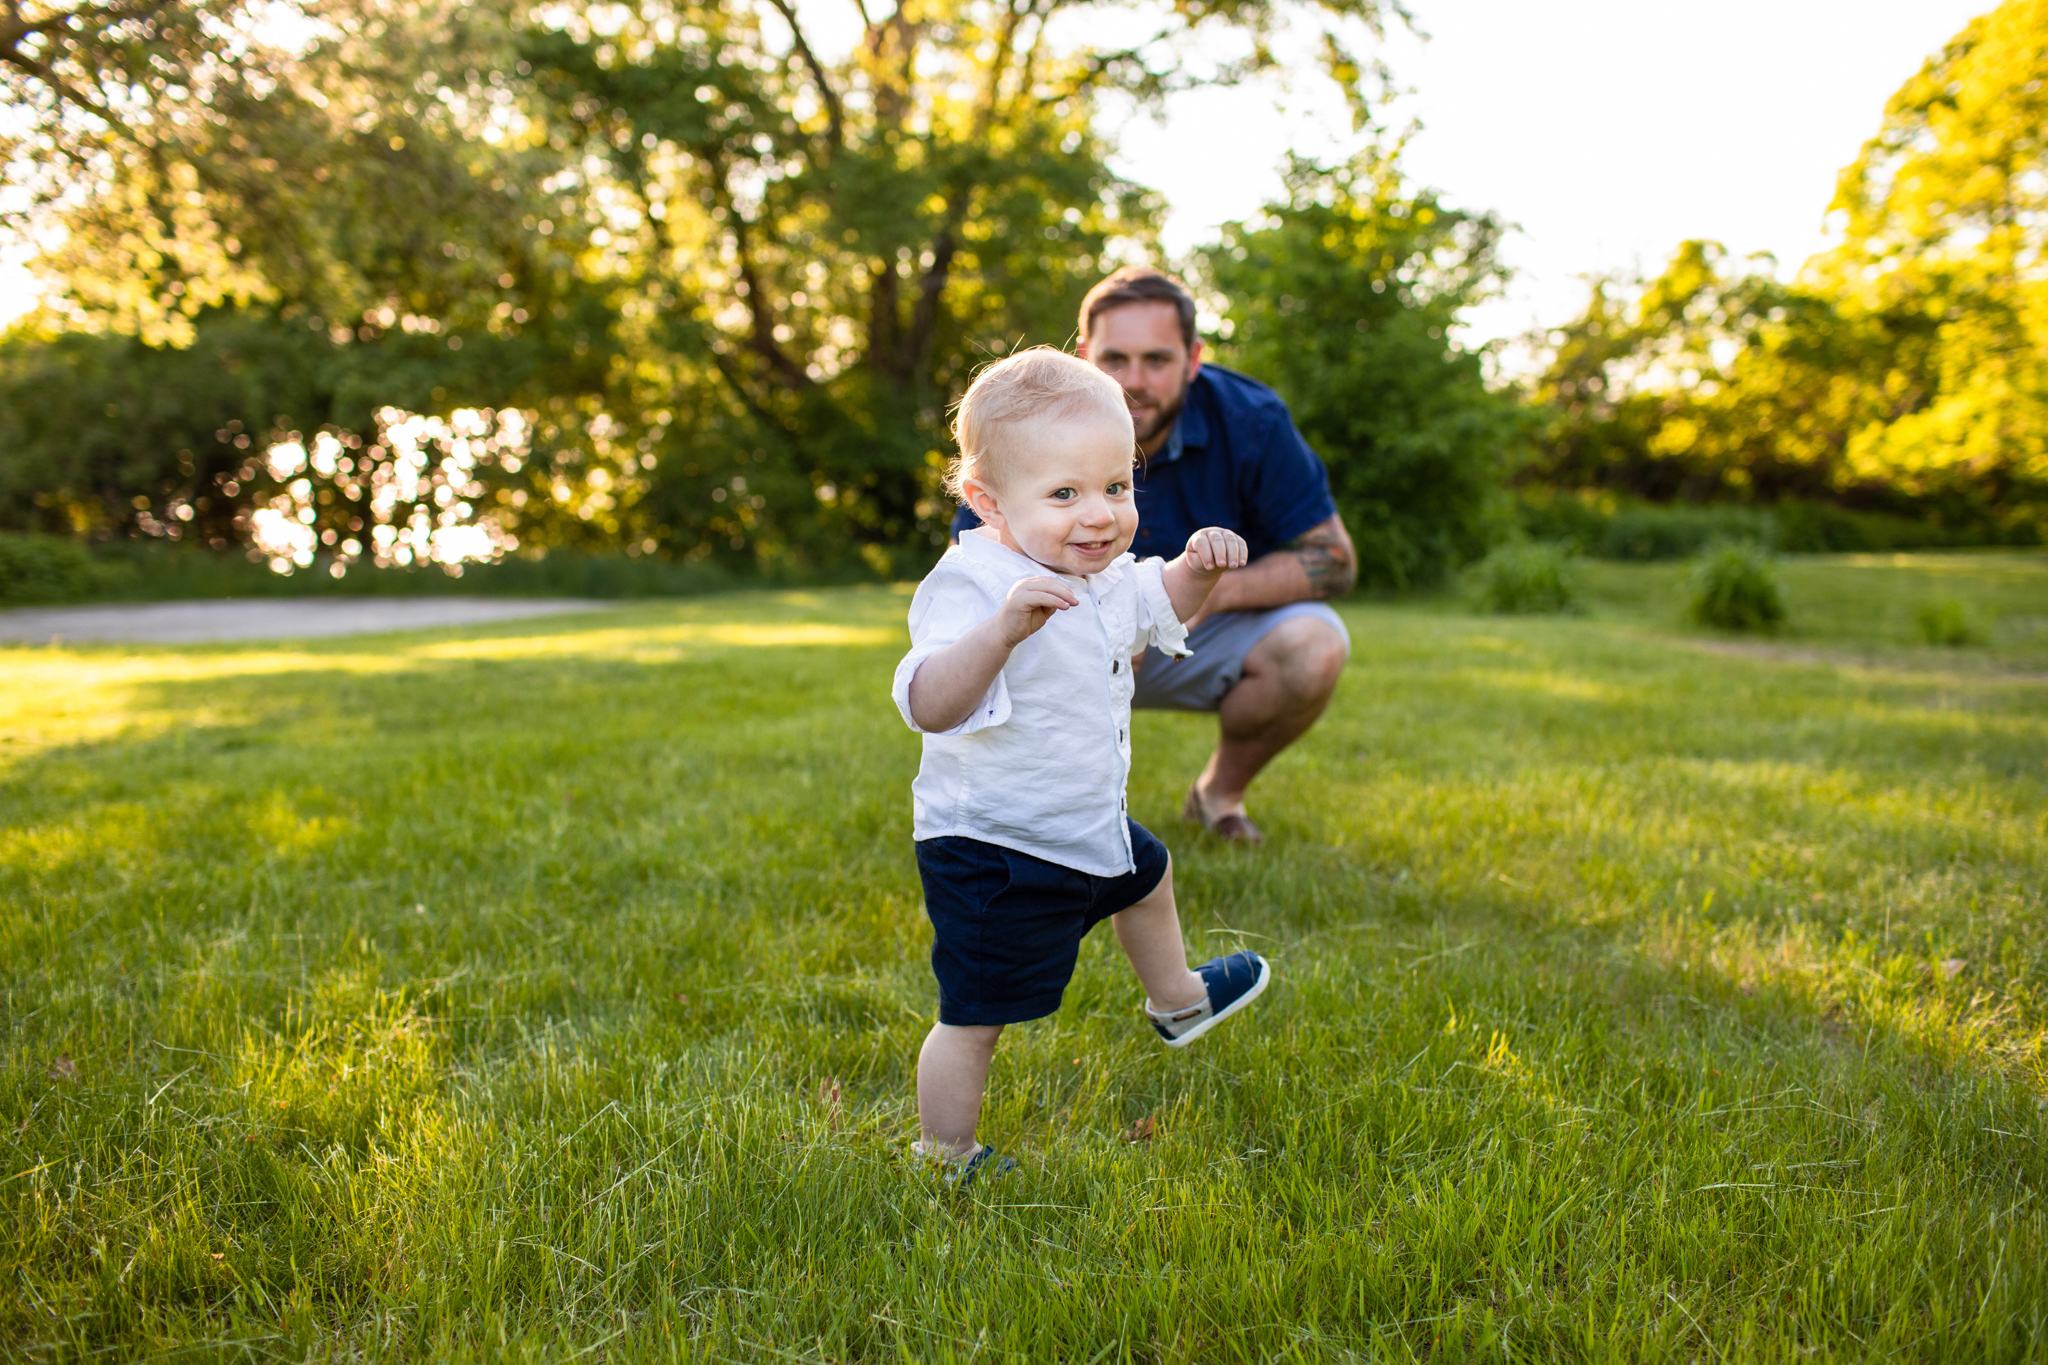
(947, 605)
(1285, 487)
(1158, 625)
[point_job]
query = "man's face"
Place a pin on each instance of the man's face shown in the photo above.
(1139, 346)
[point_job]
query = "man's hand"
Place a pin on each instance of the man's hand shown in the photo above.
(1029, 604)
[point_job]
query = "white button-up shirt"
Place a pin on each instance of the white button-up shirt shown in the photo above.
(1041, 764)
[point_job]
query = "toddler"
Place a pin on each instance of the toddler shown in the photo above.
(1019, 679)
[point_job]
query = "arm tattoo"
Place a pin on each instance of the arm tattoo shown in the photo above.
(1326, 557)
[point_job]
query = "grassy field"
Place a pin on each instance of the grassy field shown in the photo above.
(550, 991)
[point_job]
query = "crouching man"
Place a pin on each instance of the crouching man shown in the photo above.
(1221, 450)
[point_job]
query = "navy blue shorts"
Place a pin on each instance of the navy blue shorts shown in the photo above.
(1008, 926)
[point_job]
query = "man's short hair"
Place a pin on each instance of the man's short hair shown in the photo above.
(1039, 385)
(1140, 284)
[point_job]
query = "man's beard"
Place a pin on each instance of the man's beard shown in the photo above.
(1162, 419)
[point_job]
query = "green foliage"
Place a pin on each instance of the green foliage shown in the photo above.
(1949, 622)
(109, 435)
(1603, 526)
(556, 988)
(1947, 213)
(1345, 298)
(1680, 532)
(1639, 531)
(1806, 527)
(157, 571)
(1734, 586)
(1527, 578)
(38, 568)
(738, 287)
(1856, 608)
(1904, 371)
(352, 165)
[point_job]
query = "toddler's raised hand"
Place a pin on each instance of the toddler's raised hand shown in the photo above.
(1029, 604)
(1213, 549)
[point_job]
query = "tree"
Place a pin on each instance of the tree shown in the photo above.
(1907, 369)
(739, 283)
(1947, 217)
(1711, 380)
(265, 240)
(191, 157)
(1346, 297)
(838, 244)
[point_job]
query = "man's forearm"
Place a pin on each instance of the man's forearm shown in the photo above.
(1317, 564)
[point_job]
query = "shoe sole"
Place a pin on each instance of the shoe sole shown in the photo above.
(1241, 829)
(1258, 988)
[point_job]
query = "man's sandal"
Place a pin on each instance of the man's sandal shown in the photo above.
(1236, 828)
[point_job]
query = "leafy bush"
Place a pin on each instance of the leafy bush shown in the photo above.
(1679, 532)
(155, 571)
(1648, 531)
(38, 568)
(1949, 622)
(1531, 577)
(1819, 528)
(1574, 518)
(1346, 300)
(1735, 587)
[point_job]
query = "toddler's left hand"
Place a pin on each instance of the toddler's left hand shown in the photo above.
(1213, 549)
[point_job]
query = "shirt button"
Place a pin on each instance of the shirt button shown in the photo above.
(1117, 666)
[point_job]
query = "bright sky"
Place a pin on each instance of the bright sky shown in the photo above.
(1607, 131)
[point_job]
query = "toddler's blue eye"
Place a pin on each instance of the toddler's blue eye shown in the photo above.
(1064, 493)
(1116, 488)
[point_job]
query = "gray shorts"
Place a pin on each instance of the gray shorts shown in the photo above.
(1219, 644)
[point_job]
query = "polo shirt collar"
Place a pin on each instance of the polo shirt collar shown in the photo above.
(1190, 429)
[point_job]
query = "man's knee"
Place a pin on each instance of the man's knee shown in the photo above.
(1305, 655)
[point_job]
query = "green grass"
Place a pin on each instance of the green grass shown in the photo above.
(481, 995)
(1865, 602)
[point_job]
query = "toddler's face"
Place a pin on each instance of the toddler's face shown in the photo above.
(1065, 501)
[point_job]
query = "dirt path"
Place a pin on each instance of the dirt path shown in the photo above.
(268, 618)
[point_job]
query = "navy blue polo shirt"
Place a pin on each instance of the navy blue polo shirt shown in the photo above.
(1233, 459)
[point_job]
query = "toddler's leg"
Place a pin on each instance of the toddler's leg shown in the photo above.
(1150, 934)
(952, 1072)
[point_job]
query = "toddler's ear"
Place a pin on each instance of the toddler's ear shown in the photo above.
(983, 501)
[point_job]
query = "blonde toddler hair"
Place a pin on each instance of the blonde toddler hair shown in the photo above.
(1028, 390)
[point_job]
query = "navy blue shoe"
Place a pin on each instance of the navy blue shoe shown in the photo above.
(961, 1173)
(1233, 982)
(986, 1162)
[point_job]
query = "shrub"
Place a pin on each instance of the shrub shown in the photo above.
(1579, 519)
(1527, 578)
(1346, 298)
(1735, 587)
(1677, 532)
(1821, 528)
(1949, 622)
(157, 571)
(39, 568)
